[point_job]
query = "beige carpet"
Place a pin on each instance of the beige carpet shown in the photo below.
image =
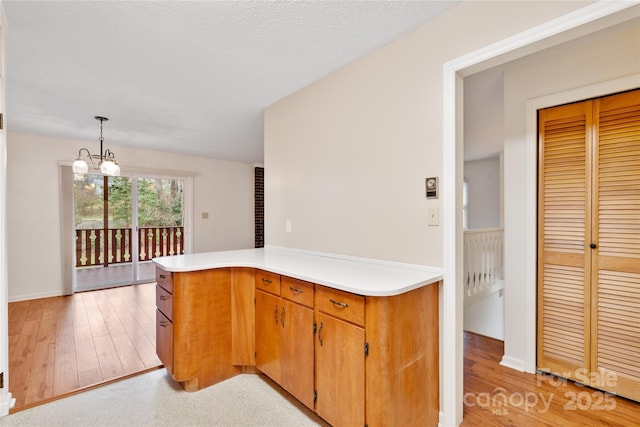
(152, 399)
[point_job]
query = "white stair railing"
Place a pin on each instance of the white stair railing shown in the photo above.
(483, 258)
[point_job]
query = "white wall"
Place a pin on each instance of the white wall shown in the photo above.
(486, 315)
(484, 192)
(346, 157)
(224, 189)
(593, 59)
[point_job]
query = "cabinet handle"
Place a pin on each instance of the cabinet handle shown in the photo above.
(163, 297)
(162, 276)
(282, 317)
(297, 291)
(163, 324)
(275, 314)
(267, 281)
(320, 334)
(341, 304)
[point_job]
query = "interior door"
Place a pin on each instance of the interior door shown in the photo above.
(589, 243)
(563, 240)
(615, 350)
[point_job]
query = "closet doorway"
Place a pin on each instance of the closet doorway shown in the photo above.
(589, 243)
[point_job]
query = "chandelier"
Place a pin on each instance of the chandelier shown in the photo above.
(105, 161)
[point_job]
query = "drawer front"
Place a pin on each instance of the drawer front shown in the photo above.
(340, 304)
(164, 341)
(267, 281)
(164, 302)
(297, 291)
(164, 279)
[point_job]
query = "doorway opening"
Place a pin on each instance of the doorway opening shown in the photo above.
(121, 224)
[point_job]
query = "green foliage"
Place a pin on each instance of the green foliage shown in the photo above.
(160, 202)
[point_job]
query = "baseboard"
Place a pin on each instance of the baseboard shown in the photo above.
(38, 295)
(513, 363)
(7, 402)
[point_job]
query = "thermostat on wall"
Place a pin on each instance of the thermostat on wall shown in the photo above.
(432, 188)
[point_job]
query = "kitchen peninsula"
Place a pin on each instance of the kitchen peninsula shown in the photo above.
(355, 340)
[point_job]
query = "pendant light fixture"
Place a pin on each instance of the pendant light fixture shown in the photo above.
(106, 160)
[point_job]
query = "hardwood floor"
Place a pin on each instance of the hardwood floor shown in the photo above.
(499, 396)
(61, 344)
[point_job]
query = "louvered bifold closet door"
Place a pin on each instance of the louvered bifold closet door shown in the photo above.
(615, 280)
(563, 240)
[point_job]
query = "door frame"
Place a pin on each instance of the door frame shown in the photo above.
(134, 175)
(517, 46)
(67, 217)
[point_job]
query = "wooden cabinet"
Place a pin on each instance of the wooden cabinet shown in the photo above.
(296, 339)
(284, 334)
(195, 342)
(268, 334)
(164, 318)
(243, 326)
(368, 360)
(340, 357)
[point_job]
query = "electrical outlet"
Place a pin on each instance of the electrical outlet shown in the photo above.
(287, 226)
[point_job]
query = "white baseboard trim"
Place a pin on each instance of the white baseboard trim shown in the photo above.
(26, 297)
(513, 363)
(7, 402)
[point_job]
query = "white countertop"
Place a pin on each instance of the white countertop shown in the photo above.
(357, 275)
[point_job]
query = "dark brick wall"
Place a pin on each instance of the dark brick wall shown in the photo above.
(259, 206)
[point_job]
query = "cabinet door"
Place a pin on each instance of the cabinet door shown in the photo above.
(296, 351)
(268, 311)
(340, 385)
(164, 341)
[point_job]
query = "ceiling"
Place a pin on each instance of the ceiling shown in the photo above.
(183, 76)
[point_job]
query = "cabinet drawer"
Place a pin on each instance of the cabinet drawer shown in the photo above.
(297, 291)
(340, 304)
(267, 281)
(164, 302)
(164, 279)
(164, 341)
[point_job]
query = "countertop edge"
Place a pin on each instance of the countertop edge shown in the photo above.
(426, 275)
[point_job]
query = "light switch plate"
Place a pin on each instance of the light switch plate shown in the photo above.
(434, 216)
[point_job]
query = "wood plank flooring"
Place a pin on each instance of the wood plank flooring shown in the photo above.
(500, 396)
(61, 344)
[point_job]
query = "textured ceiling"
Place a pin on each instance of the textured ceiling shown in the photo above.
(189, 77)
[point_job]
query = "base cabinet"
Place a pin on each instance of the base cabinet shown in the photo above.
(195, 344)
(268, 335)
(284, 335)
(355, 360)
(340, 368)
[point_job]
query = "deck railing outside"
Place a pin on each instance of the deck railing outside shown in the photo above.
(483, 258)
(152, 242)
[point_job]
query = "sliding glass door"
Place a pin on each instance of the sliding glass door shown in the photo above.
(121, 223)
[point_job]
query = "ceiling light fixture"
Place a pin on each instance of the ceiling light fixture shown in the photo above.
(106, 160)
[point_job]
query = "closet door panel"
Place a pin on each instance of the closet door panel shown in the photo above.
(616, 260)
(564, 236)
